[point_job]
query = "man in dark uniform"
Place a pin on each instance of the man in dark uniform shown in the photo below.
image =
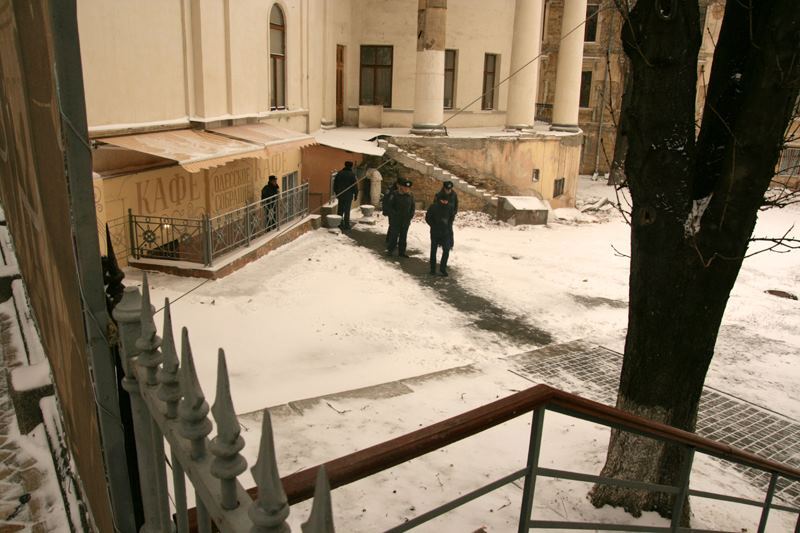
(452, 202)
(401, 211)
(438, 218)
(346, 189)
(269, 200)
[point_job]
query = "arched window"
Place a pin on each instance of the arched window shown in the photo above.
(277, 57)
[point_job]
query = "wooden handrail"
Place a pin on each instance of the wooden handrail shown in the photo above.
(299, 486)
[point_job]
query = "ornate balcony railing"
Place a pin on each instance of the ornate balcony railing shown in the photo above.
(205, 239)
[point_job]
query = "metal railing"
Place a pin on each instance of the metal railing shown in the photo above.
(539, 399)
(204, 239)
(168, 404)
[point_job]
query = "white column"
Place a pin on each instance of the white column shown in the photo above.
(526, 45)
(570, 63)
(429, 84)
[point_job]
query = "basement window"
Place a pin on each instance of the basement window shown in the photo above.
(558, 187)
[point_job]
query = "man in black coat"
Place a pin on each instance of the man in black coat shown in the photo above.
(346, 190)
(438, 218)
(452, 201)
(401, 210)
(269, 199)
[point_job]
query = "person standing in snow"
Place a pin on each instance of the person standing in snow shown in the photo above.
(269, 200)
(346, 189)
(401, 209)
(438, 218)
(452, 201)
(386, 206)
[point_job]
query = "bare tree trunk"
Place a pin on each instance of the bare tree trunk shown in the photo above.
(694, 209)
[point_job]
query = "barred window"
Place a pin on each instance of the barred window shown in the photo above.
(789, 164)
(558, 187)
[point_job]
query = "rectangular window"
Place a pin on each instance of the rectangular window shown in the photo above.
(489, 80)
(449, 78)
(590, 26)
(376, 75)
(558, 187)
(789, 164)
(586, 87)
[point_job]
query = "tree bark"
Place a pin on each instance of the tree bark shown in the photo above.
(694, 209)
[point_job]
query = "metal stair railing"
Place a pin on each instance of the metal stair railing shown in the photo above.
(538, 400)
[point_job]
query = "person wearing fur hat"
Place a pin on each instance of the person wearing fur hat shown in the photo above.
(452, 201)
(401, 210)
(438, 218)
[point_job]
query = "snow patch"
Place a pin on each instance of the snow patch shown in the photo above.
(692, 225)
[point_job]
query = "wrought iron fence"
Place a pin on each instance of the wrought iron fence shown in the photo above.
(167, 238)
(168, 405)
(204, 239)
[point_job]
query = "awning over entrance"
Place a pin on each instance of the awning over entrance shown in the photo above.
(272, 138)
(194, 150)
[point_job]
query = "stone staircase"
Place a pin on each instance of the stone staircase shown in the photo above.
(426, 168)
(511, 209)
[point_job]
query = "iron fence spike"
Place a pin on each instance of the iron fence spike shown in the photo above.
(227, 463)
(169, 389)
(270, 510)
(193, 408)
(321, 518)
(148, 343)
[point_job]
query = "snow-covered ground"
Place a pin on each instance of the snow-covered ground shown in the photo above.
(323, 314)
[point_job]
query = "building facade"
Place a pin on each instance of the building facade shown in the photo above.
(166, 81)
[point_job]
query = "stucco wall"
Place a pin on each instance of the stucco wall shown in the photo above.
(156, 61)
(505, 165)
(132, 54)
(319, 162)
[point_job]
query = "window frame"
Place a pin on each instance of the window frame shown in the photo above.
(489, 99)
(375, 67)
(586, 90)
(591, 22)
(789, 162)
(277, 61)
(559, 185)
(452, 72)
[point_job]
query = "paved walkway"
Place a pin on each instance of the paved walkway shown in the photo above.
(487, 315)
(721, 417)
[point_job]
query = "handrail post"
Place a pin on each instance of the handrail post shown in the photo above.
(534, 447)
(680, 497)
(132, 235)
(207, 244)
(247, 229)
(762, 524)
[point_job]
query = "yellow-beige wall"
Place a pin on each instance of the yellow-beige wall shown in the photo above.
(166, 62)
